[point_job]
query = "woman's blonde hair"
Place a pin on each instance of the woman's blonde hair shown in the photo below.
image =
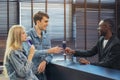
(13, 42)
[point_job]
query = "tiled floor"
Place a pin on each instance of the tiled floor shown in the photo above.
(2, 77)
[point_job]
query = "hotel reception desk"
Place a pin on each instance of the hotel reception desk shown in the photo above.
(65, 70)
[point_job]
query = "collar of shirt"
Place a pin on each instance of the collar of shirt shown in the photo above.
(35, 33)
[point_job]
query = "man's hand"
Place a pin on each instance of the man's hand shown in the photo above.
(69, 51)
(41, 67)
(84, 61)
(55, 50)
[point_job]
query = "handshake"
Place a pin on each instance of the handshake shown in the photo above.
(57, 49)
(67, 50)
(81, 60)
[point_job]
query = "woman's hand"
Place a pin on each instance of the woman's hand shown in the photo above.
(31, 52)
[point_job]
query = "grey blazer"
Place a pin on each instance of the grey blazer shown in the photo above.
(18, 67)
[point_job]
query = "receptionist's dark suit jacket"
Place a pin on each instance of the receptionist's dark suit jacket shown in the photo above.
(108, 56)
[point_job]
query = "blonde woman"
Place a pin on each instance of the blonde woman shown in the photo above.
(17, 65)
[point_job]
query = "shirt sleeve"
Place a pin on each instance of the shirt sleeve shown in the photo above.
(26, 48)
(48, 58)
(87, 53)
(38, 53)
(20, 63)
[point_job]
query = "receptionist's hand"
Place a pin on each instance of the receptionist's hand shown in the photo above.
(84, 61)
(69, 50)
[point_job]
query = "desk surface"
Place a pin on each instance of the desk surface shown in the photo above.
(96, 70)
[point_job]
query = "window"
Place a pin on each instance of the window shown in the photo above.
(56, 21)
